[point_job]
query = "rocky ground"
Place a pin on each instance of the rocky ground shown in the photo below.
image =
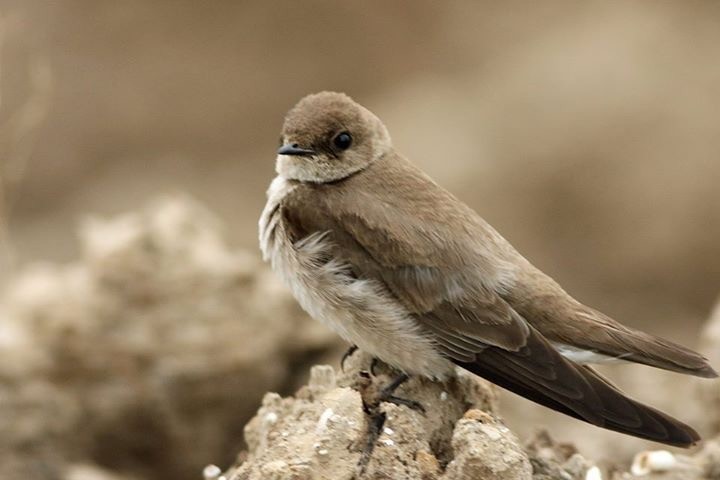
(147, 359)
(319, 433)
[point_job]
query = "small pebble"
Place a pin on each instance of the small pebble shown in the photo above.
(593, 473)
(271, 417)
(388, 431)
(211, 472)
(324, 418)
(388, 442)
(652, 461)
(443, 396)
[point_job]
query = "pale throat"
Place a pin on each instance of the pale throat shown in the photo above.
(304, 170)
(291, 168)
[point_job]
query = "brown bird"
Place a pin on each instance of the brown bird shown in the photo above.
(396, 265)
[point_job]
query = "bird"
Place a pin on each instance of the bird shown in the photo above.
(399, 267)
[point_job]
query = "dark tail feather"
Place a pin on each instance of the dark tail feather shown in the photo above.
(539, 373)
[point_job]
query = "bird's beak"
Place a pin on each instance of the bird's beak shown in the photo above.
(294, 149)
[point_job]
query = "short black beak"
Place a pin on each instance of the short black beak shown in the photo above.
(294, 149)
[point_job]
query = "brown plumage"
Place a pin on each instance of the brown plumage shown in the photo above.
(400, 267)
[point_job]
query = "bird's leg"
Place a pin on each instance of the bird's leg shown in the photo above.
(375, 424)
(372, 397)
(375, 419)
(347, 354)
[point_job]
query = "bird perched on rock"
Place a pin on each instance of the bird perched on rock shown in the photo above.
(396, 265)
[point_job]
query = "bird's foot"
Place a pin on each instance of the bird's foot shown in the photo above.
(387, 394)
(372, 395)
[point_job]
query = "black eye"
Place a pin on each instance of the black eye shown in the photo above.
(343, 140)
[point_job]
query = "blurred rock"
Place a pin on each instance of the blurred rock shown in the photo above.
(90, 472)
(553, 460)
(663, 465)
(149, 354)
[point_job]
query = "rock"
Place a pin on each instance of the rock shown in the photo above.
(149, 354)
(486, 449)
(708, 459)
(663, 465)
(318, 433)
(552, 460)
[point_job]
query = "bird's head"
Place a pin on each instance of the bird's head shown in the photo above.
(328, 137)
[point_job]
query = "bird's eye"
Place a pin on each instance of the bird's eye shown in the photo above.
(343, 140)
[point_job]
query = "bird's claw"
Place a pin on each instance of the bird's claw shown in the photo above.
(373, 366)
(411, 404)
(347, 354)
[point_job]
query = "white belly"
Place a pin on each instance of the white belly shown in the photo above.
(359, 310)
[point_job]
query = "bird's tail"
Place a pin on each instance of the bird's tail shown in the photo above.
(605, 335)
(539, 373)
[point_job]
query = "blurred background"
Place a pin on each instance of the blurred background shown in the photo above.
(586, 133)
